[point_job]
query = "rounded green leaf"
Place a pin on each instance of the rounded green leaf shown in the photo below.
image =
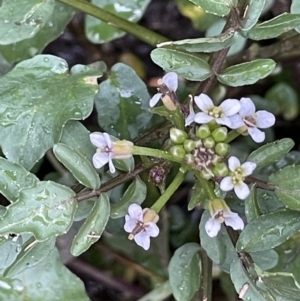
(198, 198)
(287, 182)
(246, 73)
(92, 228)
(98, 31)
(45, 210)
(186, 65)
(255, 8)
(23, 20)
(268, 231)
(185, 272)
(134, 194)
(271, 152)
(215, 7)
(274, 27)
(37, 98)
(122, 103)
(295, 9)
(25, 49)
(252, 210)
(80, 167)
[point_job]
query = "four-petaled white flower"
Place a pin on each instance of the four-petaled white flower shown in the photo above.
(236, 179)
(249, 120)
(108, 149)
(220, 213)
(220, 114)
(141, 224)
(170, 80)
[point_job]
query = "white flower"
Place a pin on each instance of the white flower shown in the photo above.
(108, 149)
(220, 114)
(247, 117)
(236, 179)
(220, 213)
(170, 80)
(191, 117)
(141, 224)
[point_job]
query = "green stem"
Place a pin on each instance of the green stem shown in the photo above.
(158, 205)
(231, 136)
(206, 186)
(140, 32)
(152, 152)
(206, 283)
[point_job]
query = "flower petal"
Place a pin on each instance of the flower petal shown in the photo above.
(256, 134)
(130, 223)
(204, 102)
(100, 159)
(171, 81)
(241, 190)
(191, 116)
(230, 106)
(151, 229)
(248, 168)
(247, 107)
(264, 119)
(226, 184)
(234, 221)
(203, 118)
(224, 121)
(107, 140)
(136, 212)
(236, 121)
(155, 99)
(111, 165)
(98, 139)
(142, 239)
(212, 227)
(233, 163)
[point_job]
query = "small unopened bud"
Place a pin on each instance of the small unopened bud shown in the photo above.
(157, 175)
(150, 215)
(209, 142)
(220, 170)
(206, 174)
(203, 131)
(177, 136)
(189, 145)
(168, 102)
(219, 134)
(189, 159)
(177, 152)
(222, 149)
(216, 159)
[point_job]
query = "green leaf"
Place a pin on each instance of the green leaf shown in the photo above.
(246, 73)
(220, 248)
(80, 167)
(83, 209)
(274, 27)
(265, 259)
(185, 272)
(134, 194)
(25, 49)
(245, 284)
(199, 197)
(252, 209)
(30, 256)
(286, 99)
(255, 8)
(44, 210)
(295, 9)
(24, 20)
(271, 152)
(287, 186)
(37, 98)
(268, 231)
(215, 7)
(186, 65)
(92, 228)
(210, 44)
(49, 280)
(122, 103)
(98, 31)
(13, 178)
(160, 293)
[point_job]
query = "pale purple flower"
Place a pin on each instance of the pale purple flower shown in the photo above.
(236, 179)
(221, 114)
(141, 224)
(108, 149)
(220, 213)
(170, 80)
(247, 117)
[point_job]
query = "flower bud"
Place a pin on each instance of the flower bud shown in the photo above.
(209, 142)
(203, 131)
(189, 145)
(177, 151)
(178, 136)
(157, 175)
(198, 143)
(206, 174)
(220, 170)
(216, 159)
(189, 159)
(222, 149)
(219, 134)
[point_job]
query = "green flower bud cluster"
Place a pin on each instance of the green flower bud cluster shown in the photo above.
(205, 152)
